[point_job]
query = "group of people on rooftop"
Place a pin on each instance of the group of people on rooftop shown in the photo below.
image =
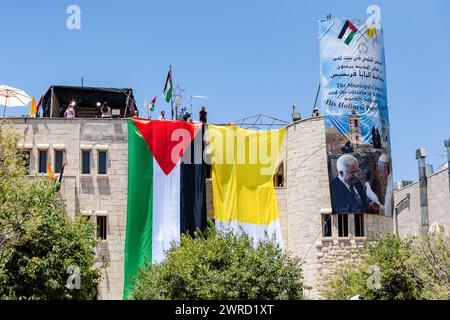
(202, 115)
(106, 112)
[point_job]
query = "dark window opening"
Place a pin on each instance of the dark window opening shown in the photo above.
(59, 160)
(86, 162)
(359, 225)
(42, 161)
(343, 225)
(356, 124)
(101, 227)
(326, 223)
(102, 162)
(278, 178)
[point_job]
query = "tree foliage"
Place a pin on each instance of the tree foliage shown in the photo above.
(396, 269)
(221, 266)
(38, 241)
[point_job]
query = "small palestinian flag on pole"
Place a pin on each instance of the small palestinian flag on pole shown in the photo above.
(152, 108)
(348, 32)
(168, 87)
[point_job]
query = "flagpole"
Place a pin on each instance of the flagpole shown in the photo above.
(6, 102)
(171, 103)
(317, 97)
(171, 82)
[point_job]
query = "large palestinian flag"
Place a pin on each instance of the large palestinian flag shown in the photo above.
(166, 189)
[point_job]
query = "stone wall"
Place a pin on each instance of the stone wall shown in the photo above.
(335, 251)
(93, 195)
(438, 204)
(307, 192)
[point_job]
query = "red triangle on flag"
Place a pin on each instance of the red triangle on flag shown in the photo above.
(167, 140)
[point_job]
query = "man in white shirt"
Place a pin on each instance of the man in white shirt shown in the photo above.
(162, 116)
(384, 170)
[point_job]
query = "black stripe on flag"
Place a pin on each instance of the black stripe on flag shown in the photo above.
(193, 214)
(344, 28)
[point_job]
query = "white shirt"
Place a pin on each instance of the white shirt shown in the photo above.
(162, 118)
(388, 198)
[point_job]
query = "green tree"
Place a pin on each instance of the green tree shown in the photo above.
(221, 266)
(395, 269)
(431, 264)
(38, 241)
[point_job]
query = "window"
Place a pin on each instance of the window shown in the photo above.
(59, 160)
(102, 162)
(343, 225)
(101, 227)
(86, 162)
(326, 224)
(42, 161)
(26, 157)
(356, 123)
(359, 225)
(279, 176)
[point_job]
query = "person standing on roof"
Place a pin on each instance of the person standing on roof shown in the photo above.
(203, 115)
(106, 110)
(316, 112)
(70, 111)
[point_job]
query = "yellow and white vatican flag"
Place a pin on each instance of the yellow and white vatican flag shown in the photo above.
(243, 165)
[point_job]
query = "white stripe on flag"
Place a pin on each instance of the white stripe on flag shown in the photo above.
(256, 231)
(166, 210)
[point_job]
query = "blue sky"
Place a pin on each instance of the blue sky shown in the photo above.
(249, 57)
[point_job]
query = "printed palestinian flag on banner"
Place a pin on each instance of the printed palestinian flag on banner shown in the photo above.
(348, 32)
(166, 189)
(243, 188)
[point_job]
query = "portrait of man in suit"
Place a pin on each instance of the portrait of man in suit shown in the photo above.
(348, 194)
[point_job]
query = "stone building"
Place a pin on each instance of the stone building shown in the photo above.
(95, 184)
(438, 204)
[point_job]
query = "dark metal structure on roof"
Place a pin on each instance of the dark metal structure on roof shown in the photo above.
(88, 101)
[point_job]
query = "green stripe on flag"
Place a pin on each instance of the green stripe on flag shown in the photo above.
(138, 242)
(169, 94)
(350, 37)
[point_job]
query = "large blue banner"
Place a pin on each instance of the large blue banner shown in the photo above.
(354, 103)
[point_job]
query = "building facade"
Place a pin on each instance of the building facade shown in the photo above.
(438, 204)
(95, 185)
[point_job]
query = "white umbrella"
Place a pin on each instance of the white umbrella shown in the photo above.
(12, 97)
